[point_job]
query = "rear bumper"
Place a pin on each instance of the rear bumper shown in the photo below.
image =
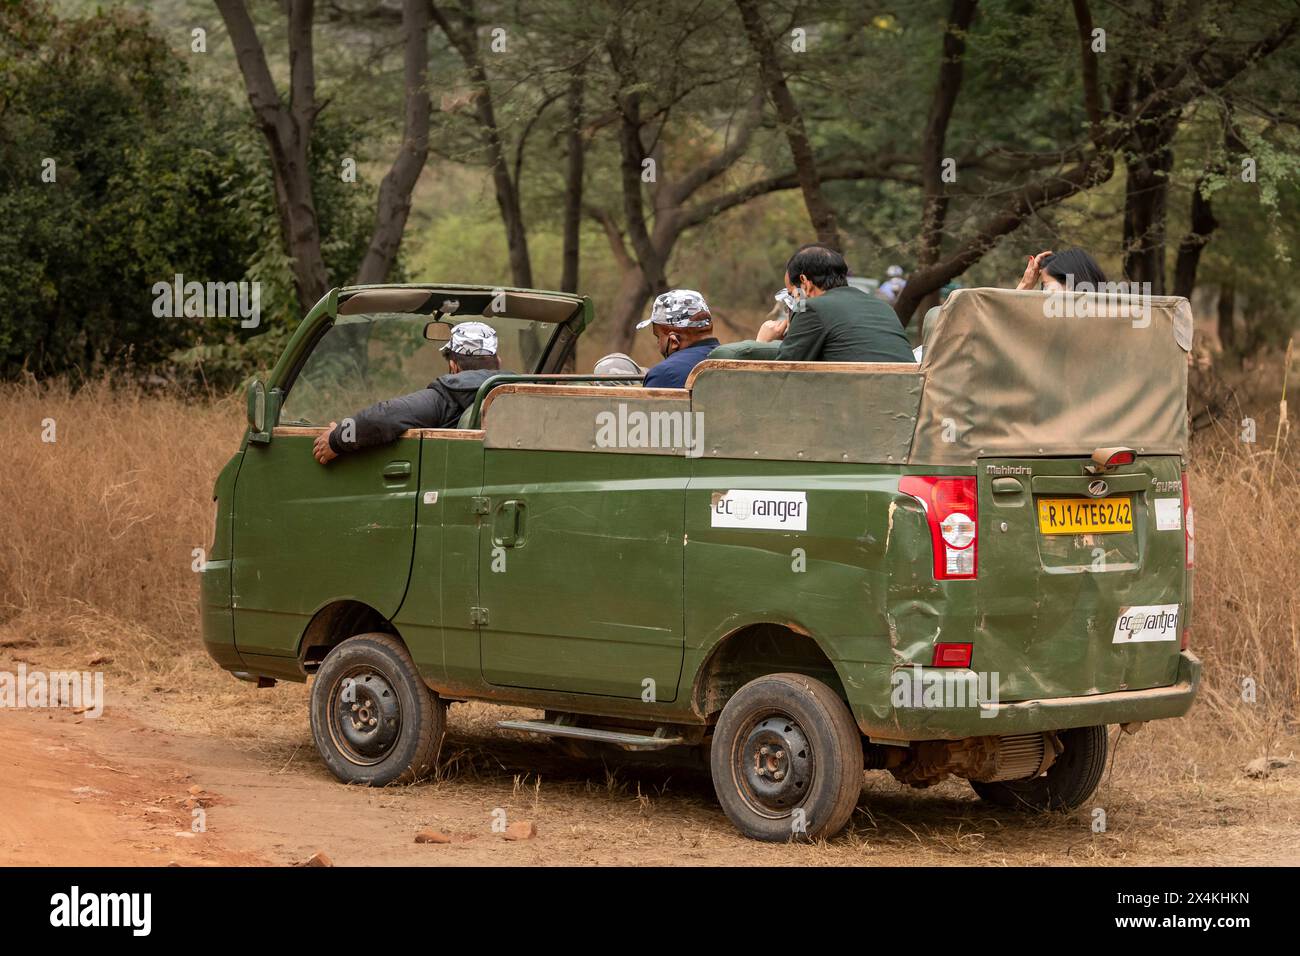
(1029, 716)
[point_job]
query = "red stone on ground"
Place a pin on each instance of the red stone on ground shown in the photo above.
(520, 830)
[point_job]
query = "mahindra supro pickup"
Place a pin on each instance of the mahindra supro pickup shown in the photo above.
(971, 566)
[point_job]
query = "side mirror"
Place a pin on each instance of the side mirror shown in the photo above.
(437, 331)
(257, 412)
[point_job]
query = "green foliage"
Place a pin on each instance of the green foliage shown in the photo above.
(250, 203)
(132, 202)
(151, 179)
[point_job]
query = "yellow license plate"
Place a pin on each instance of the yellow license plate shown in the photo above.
(1085, 515)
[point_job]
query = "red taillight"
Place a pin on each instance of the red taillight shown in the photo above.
(952, 655)
(1120, 458)
(1186, 642)
(1189, 529)
(951, 512)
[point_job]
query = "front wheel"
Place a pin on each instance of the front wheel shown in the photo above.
(373, 719)
(1067, 783)
(787, 759)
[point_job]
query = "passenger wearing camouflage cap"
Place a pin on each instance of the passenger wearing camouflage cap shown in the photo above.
(471, 355)
(471, 339)
(683, 325)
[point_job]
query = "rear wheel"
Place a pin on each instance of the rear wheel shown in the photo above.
(373, 719)
(1067, 783)
(787, 759)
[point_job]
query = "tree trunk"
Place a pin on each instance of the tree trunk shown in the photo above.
(464, 37)
(287, 130)
(1203, 225)
(1226, 311)
(629, 304)
(302, 238)
(1254, 322)
(507, 193)
(1145, 194)
(573, 174)
(787, 110)
(1149, 161)
(935, 209)
(395, 191)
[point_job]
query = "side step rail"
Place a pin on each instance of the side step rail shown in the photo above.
(557, 728)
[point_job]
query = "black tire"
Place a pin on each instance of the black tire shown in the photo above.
(798, 726)
(388, 727)
(1068, 783)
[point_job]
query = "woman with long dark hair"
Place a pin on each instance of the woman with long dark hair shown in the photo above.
(1062, 272)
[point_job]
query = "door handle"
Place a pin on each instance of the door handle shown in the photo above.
(509, 524)
(397, 471)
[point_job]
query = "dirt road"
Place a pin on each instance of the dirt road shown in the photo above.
(123, 790)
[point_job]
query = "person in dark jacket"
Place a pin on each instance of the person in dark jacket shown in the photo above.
(472, 358)
(684, 327)
(832, 321)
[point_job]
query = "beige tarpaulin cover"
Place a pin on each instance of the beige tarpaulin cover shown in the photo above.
(1010, 373)
(807, 411)
(570, 418)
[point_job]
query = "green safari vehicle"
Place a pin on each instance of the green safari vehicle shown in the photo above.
(969, 566)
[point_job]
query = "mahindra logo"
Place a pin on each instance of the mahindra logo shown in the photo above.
(1098, 488)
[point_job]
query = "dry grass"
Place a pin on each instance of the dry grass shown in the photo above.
(104, 517)
(96, 559)
(1246, 617)
(96, 554)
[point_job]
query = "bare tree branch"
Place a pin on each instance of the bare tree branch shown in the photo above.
(1088, 58)
(463, 36)
(288, 136)
(801, 151)
(882, 169)
(935, 208)
(395, 191)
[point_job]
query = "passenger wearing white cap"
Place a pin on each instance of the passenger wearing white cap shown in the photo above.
(471, 355)
(893, 286)
(684, 327)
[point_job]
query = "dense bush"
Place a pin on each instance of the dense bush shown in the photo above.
(151, 178)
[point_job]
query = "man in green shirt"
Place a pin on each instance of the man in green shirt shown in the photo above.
(832, 321)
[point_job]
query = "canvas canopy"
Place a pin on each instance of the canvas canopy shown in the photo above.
(1004, 374)
(1010, 373)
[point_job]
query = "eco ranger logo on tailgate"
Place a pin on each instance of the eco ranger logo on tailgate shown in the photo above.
(772, 510)
(1148, 622)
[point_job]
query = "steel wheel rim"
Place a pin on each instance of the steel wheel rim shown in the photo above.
(773, 764)
(364, 716)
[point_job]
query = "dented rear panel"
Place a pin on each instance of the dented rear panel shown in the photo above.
(1082, 586)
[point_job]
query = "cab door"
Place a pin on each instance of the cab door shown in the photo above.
(580, 572)
(306, 534)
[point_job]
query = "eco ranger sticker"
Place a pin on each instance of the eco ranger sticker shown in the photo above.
(770, 510)
(1147, 622)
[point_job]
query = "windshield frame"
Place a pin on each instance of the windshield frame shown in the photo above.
(324, 316)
